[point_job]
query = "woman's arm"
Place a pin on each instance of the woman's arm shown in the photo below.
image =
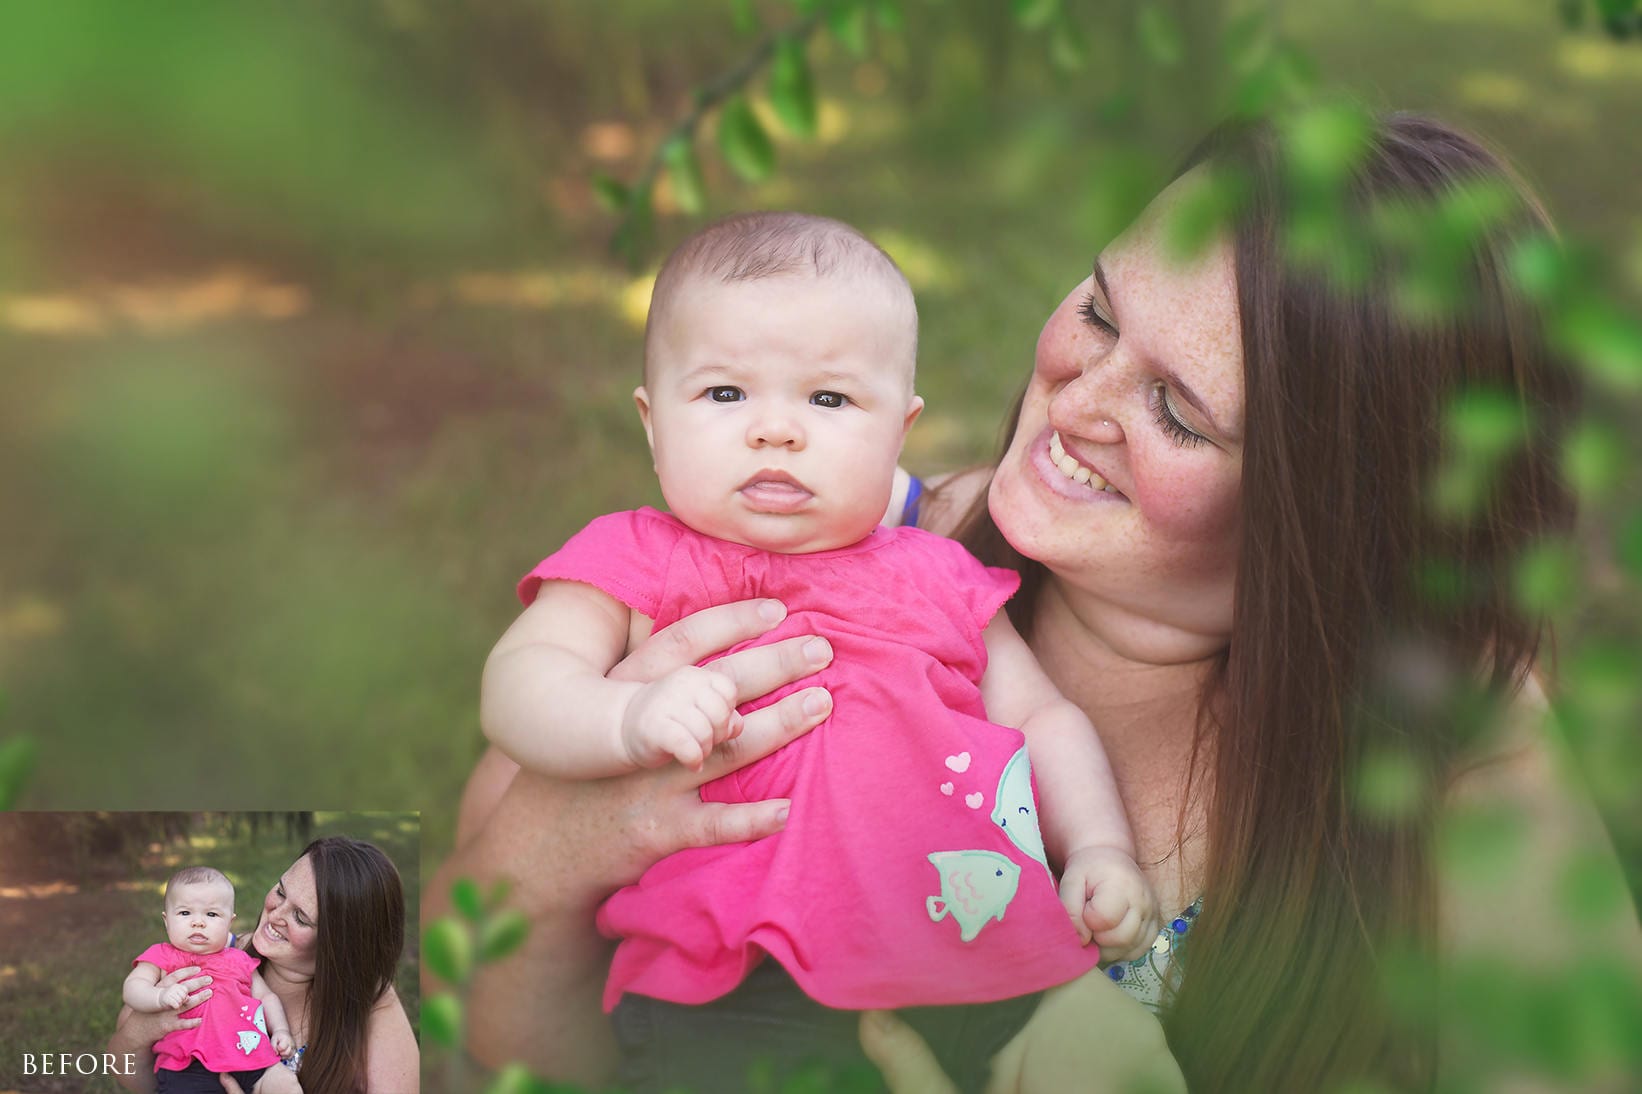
(565, 846)
(1086, 1035)
(135, 1033)
(393, 1062)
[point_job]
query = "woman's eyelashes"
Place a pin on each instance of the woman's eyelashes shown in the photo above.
(1168, 421)
(1090, 311)
(1163, 411)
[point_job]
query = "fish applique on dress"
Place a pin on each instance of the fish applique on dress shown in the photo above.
(976, 887)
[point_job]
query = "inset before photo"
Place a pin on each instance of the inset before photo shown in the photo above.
(269, 952)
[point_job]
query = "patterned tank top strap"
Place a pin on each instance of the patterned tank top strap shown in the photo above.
(1151, 976)
(909, 509)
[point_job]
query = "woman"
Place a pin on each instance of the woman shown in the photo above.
(329, 936)
(1239, 615)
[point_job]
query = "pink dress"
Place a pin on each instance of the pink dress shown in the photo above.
(913, 829)
(233, 1035)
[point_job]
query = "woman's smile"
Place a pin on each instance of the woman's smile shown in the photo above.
(1065, 475)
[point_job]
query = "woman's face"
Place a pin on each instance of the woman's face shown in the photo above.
(1122, 477)
(288, 931)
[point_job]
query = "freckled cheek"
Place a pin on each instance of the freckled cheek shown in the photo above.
(1190, 506)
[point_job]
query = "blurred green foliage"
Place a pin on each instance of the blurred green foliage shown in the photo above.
(314, 341)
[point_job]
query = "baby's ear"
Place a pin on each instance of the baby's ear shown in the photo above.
(914, 408)
(641, 399)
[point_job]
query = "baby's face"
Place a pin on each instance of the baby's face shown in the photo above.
(197, 916)
(776, 408)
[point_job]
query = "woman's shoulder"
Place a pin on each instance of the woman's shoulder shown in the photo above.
(392, 1059)
(1517, 807)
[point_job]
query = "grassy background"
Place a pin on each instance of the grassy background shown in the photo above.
(69, 930)
(313, 343)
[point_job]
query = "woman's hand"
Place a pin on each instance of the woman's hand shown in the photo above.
(567, 845)
(135, 1032)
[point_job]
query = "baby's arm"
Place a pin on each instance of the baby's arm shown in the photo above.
(273, 1012)
(547, 704)
(1082, 818)
(143, 992)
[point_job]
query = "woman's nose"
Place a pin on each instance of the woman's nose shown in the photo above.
(775, 427)
(1090, 406)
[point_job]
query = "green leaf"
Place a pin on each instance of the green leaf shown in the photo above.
(442, 1019)
(500, 890)
(16, 762)
(743, 17)
(1067, 47)
(742, 140)
(447, 947)
(1481, 842)
(502, 934)
(1208, 202)
(1540, 268)
(517, 1079)
(1325, 143)
(1630, 545)
(635, 233)
(1247, 42)
(848, 22)
(1034, 14)
(684, 172)
(792, 91)
(1607, 342)
(1160, 35)
(1546, 577)
(1594, 460)
(612, 195)
(1591, 888)
(1486, 421)
(1389, 785)
(464, 895)
(889, 15)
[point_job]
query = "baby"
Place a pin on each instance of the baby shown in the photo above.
(243, 1028)
(778, 389)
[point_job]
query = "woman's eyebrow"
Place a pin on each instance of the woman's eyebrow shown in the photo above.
(1163, 370)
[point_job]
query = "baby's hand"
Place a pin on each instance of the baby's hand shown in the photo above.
(1110, 902)
(172, 997)
(682, 715)
(283, 1045)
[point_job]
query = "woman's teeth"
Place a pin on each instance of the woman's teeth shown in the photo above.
(1072, 469)
(275, 935)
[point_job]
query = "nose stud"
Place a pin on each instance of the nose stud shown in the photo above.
(1106, 423)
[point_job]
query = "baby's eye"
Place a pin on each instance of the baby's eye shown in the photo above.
(832, 400)
(725, 393)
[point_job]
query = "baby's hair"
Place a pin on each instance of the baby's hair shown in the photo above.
(196, 875)
(754, 246)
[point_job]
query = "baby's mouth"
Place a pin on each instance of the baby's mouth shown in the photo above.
(775, 491)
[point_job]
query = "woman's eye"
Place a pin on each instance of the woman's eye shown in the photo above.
(1169, 421)
(1091, 314)
(832, 400)
(725, 394)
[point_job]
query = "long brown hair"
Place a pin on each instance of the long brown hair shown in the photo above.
(361, 934)
(1345, 397)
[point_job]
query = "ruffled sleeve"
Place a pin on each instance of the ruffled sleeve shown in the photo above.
(624, 555)
(156, 955)
(982, 589)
